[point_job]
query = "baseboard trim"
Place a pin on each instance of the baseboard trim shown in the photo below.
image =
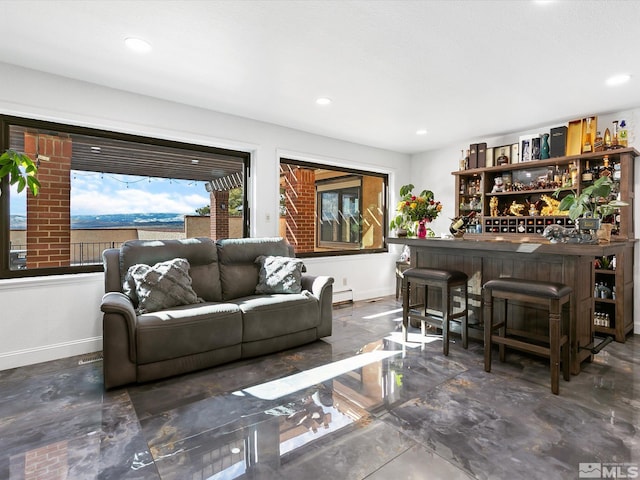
(46, 353)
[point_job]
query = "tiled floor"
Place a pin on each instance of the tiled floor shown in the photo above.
(356, 406)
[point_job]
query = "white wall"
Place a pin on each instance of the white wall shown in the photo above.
(425, 176)
(63, 318)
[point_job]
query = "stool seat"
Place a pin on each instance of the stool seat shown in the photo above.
(529, 287)
(446, 281)
(436, 274)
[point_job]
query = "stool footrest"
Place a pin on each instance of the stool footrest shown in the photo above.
(526, 346)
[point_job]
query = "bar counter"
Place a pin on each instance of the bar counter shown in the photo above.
(571, 264)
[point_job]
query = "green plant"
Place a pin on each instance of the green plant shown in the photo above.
(412, 208)
(592, 200)
(21, 170)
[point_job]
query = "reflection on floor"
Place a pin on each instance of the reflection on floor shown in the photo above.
(360, 404)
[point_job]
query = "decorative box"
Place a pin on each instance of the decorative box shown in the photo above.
(482, 155)
(558, 142)
(473, 155)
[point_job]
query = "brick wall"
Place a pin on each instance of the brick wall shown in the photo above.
(300, 199)
(219, 215)
(49, 214)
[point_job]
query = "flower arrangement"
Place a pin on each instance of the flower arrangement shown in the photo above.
(415, 208)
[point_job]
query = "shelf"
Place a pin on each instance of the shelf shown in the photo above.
(605, 300)
(604, 271)
(522, 192)
(549, 162)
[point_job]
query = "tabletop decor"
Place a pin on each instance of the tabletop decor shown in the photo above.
(413, 210)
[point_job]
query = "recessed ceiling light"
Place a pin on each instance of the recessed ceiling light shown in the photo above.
(422, 131)
(618, 79)
(96, 149)
(137, 44)
(323, 101)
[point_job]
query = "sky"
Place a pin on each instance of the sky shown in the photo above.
(94, 193)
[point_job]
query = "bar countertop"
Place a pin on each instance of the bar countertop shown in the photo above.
(527, 247)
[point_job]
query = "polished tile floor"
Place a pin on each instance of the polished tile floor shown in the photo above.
(359, 405)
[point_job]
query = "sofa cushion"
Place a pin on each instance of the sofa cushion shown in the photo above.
(164, 285)
(279, 274)
(201, 254)
(267, 316)
(238, 270)
(186, 330)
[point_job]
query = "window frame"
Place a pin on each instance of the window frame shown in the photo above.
(352, 172)
(7, 120)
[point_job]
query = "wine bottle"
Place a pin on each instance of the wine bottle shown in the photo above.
(459, 224)
(607, 139)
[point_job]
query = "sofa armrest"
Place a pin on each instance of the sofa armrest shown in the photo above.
(321, 287)
(115, 305)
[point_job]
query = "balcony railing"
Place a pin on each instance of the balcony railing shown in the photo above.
(85, 253)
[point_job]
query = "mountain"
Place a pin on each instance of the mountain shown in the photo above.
(147, 221)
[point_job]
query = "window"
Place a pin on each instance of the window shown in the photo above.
(331, 210)
(339, 211)
(99, 189)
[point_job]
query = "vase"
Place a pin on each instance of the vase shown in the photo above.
(422, 229)
(604, 232)
(401, 232)
(544, 149)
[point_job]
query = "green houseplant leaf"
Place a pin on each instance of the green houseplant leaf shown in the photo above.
(21, 170)
(589, 203)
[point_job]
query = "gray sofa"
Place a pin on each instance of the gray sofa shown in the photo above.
(228, 321)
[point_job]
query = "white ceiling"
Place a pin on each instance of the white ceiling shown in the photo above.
(461, 69)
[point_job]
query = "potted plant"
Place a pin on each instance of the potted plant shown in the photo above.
(21, 170)
(413, 209)
(592, 202)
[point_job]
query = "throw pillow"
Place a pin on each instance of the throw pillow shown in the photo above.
(164, 285)
(279, 274)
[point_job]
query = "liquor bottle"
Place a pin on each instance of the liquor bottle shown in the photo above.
(557, 177)
(614, 140)
(587, 174)
(587, 147)
(459, 224)
(623, 134)
(463, 185)
(617, 172)
(605, 169)
(598, 143)
(462, 163)
(607, 139)
(503, 159)
(573, 174)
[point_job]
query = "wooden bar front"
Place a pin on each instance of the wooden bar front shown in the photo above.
(571, 264)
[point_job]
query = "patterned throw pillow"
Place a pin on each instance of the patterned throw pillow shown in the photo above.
(279, 274)
(166, 284)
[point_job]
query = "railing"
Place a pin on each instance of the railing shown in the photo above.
(85, 253)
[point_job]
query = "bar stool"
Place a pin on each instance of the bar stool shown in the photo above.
(556, 297)
(401, 266)
(446, 281)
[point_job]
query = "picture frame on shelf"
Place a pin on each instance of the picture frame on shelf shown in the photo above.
(500, 153)
(528, 147)
(515, 153)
